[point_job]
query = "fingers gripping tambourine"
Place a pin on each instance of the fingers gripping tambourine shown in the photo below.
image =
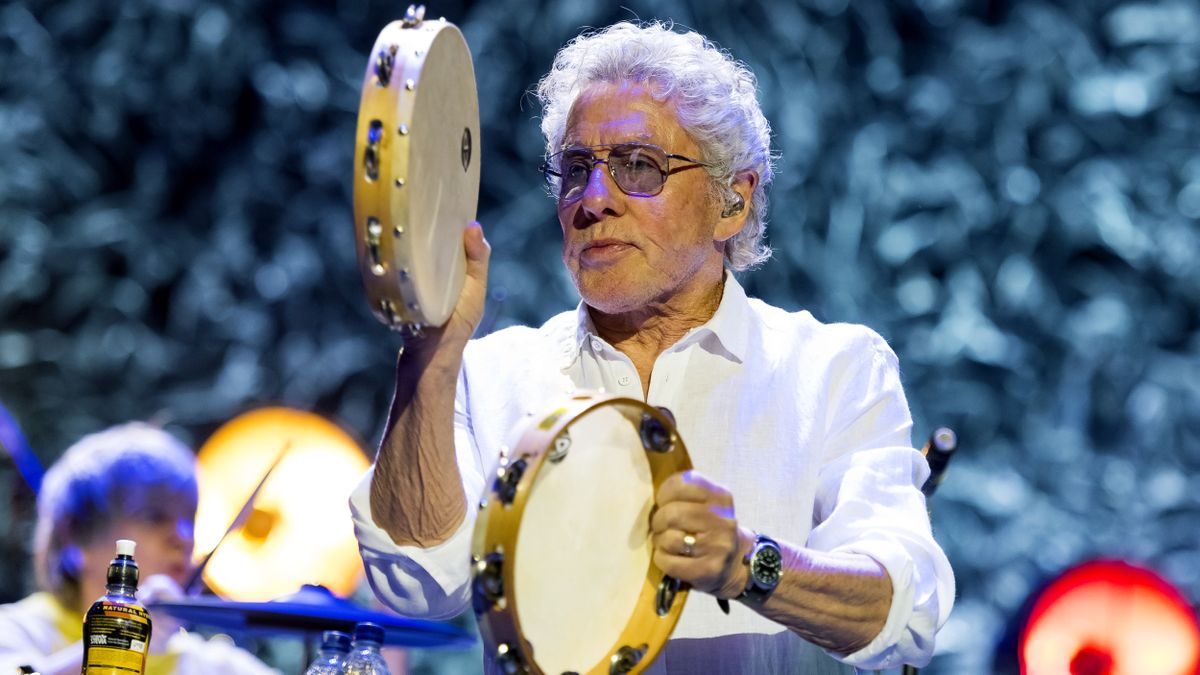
(563, 573)
(416, 171)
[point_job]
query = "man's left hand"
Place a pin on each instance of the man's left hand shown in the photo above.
(696, 536)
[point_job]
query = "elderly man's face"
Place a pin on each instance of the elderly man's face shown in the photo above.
(626, 252)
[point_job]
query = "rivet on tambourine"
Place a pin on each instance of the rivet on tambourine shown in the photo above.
(398, 231)
(414, 306)
(403, 129)
(409, 84)
(403, 275)
(399, 182)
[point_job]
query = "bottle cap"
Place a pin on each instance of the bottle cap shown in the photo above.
(371, 632)
(336, 640)
(126, 546)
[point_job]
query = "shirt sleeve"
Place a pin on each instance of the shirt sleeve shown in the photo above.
(433, 582)
(869, 502)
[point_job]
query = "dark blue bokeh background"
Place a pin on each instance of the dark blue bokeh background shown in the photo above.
(1007, 191)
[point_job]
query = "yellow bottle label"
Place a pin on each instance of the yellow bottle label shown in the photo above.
(115, 638)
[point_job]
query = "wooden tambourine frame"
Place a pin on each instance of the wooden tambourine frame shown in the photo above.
(416, 170)
(495, 544)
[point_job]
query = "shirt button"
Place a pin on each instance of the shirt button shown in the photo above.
(596, 344)
(623, 380)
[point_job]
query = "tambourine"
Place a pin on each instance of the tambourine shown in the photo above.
(562, 568)
(416, 171)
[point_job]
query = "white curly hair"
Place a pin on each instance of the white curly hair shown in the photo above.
(714, 99)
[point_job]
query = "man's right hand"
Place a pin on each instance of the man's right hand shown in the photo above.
(468, 312)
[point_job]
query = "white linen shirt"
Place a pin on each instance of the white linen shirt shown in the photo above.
(805, 423)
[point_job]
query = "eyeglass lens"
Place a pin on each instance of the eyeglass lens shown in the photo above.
(638, 169)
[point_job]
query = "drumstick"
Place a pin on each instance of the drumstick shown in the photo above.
(238, 521)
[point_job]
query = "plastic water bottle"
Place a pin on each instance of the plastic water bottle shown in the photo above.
(335, 646)
(365, 658)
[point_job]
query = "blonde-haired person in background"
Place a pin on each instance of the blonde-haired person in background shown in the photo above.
(131, 481)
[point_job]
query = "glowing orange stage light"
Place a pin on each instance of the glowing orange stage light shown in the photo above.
(1110, 618)
(299, 530)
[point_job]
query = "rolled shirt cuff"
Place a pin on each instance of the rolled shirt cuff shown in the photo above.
(893, 644)
(427, 582)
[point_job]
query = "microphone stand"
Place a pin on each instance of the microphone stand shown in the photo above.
(938, 450)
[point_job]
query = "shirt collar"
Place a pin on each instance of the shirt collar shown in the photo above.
(728, 329)
(725, 333)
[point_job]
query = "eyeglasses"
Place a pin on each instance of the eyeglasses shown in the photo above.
(639, 169)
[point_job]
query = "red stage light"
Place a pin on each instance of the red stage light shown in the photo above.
(1110, 618)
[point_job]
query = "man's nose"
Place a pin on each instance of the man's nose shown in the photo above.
(601, 196)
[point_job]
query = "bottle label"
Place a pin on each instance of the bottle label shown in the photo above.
(115, 639)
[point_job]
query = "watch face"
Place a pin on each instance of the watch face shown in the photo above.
(766, 566)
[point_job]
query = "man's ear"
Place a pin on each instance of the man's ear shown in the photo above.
(733, 215)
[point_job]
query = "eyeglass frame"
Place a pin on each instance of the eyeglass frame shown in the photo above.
(548, 170)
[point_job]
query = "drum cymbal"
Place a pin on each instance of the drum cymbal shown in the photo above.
(311, 610)
(299, 531)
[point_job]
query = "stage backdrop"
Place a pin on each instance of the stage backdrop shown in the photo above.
(1007, 191)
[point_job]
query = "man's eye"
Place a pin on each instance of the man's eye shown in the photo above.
(575, 168)
(640, 163)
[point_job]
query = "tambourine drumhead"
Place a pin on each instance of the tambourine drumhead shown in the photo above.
(416, 173)
(566, 533)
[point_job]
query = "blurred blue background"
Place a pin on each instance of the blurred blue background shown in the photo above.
(1007, 191)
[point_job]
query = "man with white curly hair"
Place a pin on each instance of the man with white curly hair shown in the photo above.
(659, 158)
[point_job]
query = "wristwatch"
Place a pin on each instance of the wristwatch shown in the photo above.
(764, 562)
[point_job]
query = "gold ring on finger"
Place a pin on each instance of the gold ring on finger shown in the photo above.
(689, 545)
